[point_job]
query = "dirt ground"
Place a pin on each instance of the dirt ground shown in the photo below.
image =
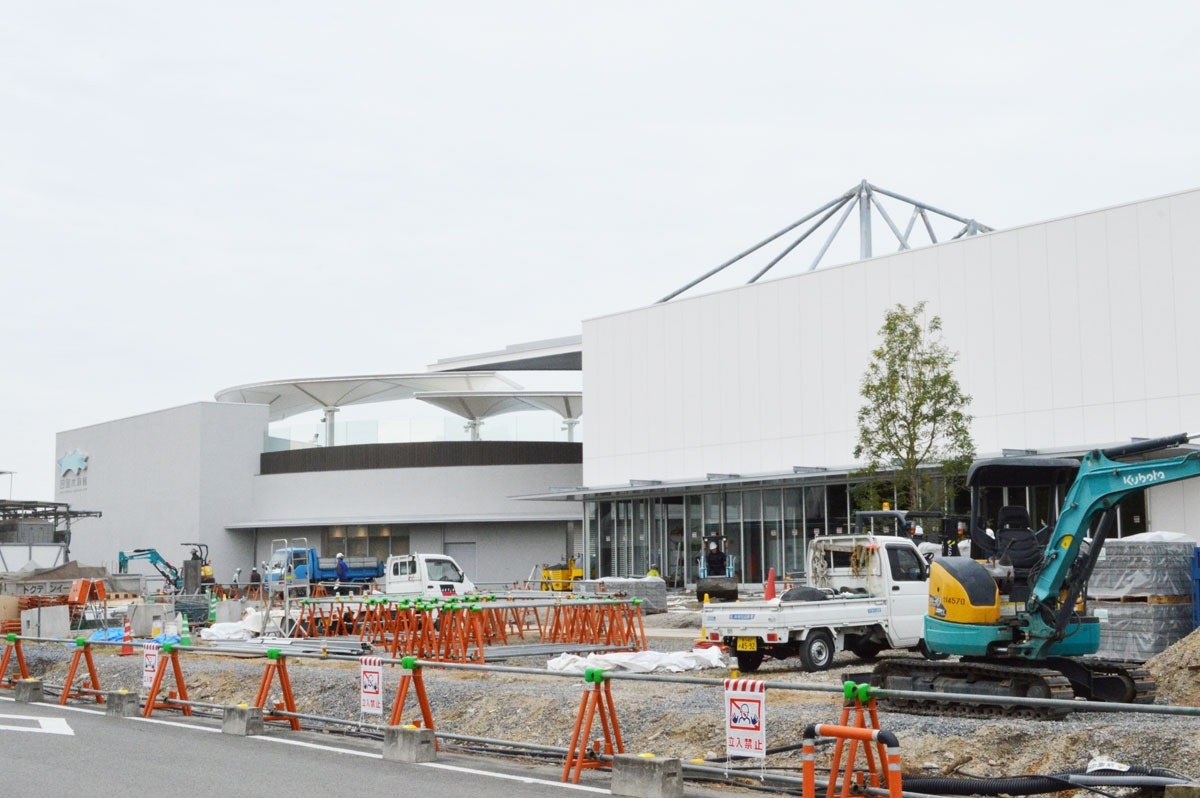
(686, 720)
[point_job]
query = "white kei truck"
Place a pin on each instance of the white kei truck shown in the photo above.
(864, 593)
(427, 576)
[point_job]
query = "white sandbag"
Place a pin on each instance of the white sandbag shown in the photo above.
(225, 631)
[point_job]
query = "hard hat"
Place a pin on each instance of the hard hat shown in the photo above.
(712, 545)
(339, 555)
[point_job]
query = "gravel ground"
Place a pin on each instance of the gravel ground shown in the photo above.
(686, 720)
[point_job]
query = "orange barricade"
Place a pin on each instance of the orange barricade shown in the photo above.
(595, 701)
(277, 664)
(13, 647)
(82, 649)
(411, 677)
(877, 743)
(160, 670)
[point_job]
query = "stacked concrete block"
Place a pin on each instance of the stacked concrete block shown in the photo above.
(1142, 593)
(1134, 568)
(1135, 632)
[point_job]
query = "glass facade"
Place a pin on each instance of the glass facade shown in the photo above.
(759, 528)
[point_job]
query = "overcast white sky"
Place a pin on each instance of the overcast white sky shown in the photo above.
(196, 196)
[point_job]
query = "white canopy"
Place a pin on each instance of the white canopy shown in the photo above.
(289, 397)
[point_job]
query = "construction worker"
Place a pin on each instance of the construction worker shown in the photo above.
(343, 575)
(653, 570)
(714, 560)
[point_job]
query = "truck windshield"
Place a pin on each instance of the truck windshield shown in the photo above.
(443, 571)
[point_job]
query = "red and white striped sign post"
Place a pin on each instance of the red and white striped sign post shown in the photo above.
(371, 686)
(745, 718)
(149, 663)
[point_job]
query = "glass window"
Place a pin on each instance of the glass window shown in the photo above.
(773, 531)
(906, 564)
(752, 536)
(733, 533)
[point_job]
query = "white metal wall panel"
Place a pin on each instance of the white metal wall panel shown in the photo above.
(1185, 263)
(1035, 314)
(1159, 346)
(1125, 275)
(1037, 304)
(1066, 326)
(1095, 353)
(475, 492)
(164, 478)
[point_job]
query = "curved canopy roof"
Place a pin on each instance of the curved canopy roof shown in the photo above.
(290, 397)
(476, 406)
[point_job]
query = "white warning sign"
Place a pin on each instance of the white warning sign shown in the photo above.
(149, 663)
(371, 690)
(745, 717)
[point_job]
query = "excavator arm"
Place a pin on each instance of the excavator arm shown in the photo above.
(1101, 483)
(169, 572)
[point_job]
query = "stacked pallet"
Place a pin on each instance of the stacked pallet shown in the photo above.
(1142, 592)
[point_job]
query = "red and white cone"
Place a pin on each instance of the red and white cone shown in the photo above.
(127, 639)
(769, 588)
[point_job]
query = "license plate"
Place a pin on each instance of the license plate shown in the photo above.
(747, 644)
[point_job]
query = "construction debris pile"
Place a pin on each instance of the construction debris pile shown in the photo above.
(1141, 589)
(1177, 672)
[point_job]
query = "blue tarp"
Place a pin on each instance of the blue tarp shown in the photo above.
(109, 635)
(118, 634)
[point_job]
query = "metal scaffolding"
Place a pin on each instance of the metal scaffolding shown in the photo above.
(864, 197)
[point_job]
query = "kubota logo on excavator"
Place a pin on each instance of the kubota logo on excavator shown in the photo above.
(1145, 478)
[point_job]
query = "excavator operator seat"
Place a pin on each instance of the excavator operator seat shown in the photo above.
(1016, 541)
(1013, 517)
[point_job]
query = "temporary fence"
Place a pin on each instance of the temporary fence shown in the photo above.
(461, 631)
(857, 731)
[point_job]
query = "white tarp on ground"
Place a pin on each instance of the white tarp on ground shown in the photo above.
(640, 661)
(226, 631)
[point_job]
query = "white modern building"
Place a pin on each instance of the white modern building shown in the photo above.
(729, 415)
(732, 415)
(217, 473)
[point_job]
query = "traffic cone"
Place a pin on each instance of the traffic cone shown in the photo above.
(769, 588)
(185, 634)
(127, 638)
(212, 607)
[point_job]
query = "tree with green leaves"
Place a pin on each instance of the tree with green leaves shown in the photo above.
(914, 413)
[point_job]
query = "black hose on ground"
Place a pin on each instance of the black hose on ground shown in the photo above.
(1039, 784)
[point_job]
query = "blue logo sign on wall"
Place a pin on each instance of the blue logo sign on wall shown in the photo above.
(75, 461)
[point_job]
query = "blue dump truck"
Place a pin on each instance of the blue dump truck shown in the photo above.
(304, 564)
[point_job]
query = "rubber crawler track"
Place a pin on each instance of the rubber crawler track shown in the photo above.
(960, 677)
(1007, 680)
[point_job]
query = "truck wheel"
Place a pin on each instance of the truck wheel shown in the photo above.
(816, 651)
(864, 647)
(748, 661)
(929, 654)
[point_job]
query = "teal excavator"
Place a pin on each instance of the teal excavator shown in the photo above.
(1017, 617)
(169, 572)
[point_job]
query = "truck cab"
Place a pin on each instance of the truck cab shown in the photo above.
(426, 576)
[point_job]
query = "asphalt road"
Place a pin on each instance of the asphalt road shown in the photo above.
(53, 750)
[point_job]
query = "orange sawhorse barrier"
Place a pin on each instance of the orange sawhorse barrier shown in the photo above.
(160, 670)
(595, 700)
(277, 664)
(82, 649)
(410, 676)
(876, 743)
(13, 647)
(460, 636)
